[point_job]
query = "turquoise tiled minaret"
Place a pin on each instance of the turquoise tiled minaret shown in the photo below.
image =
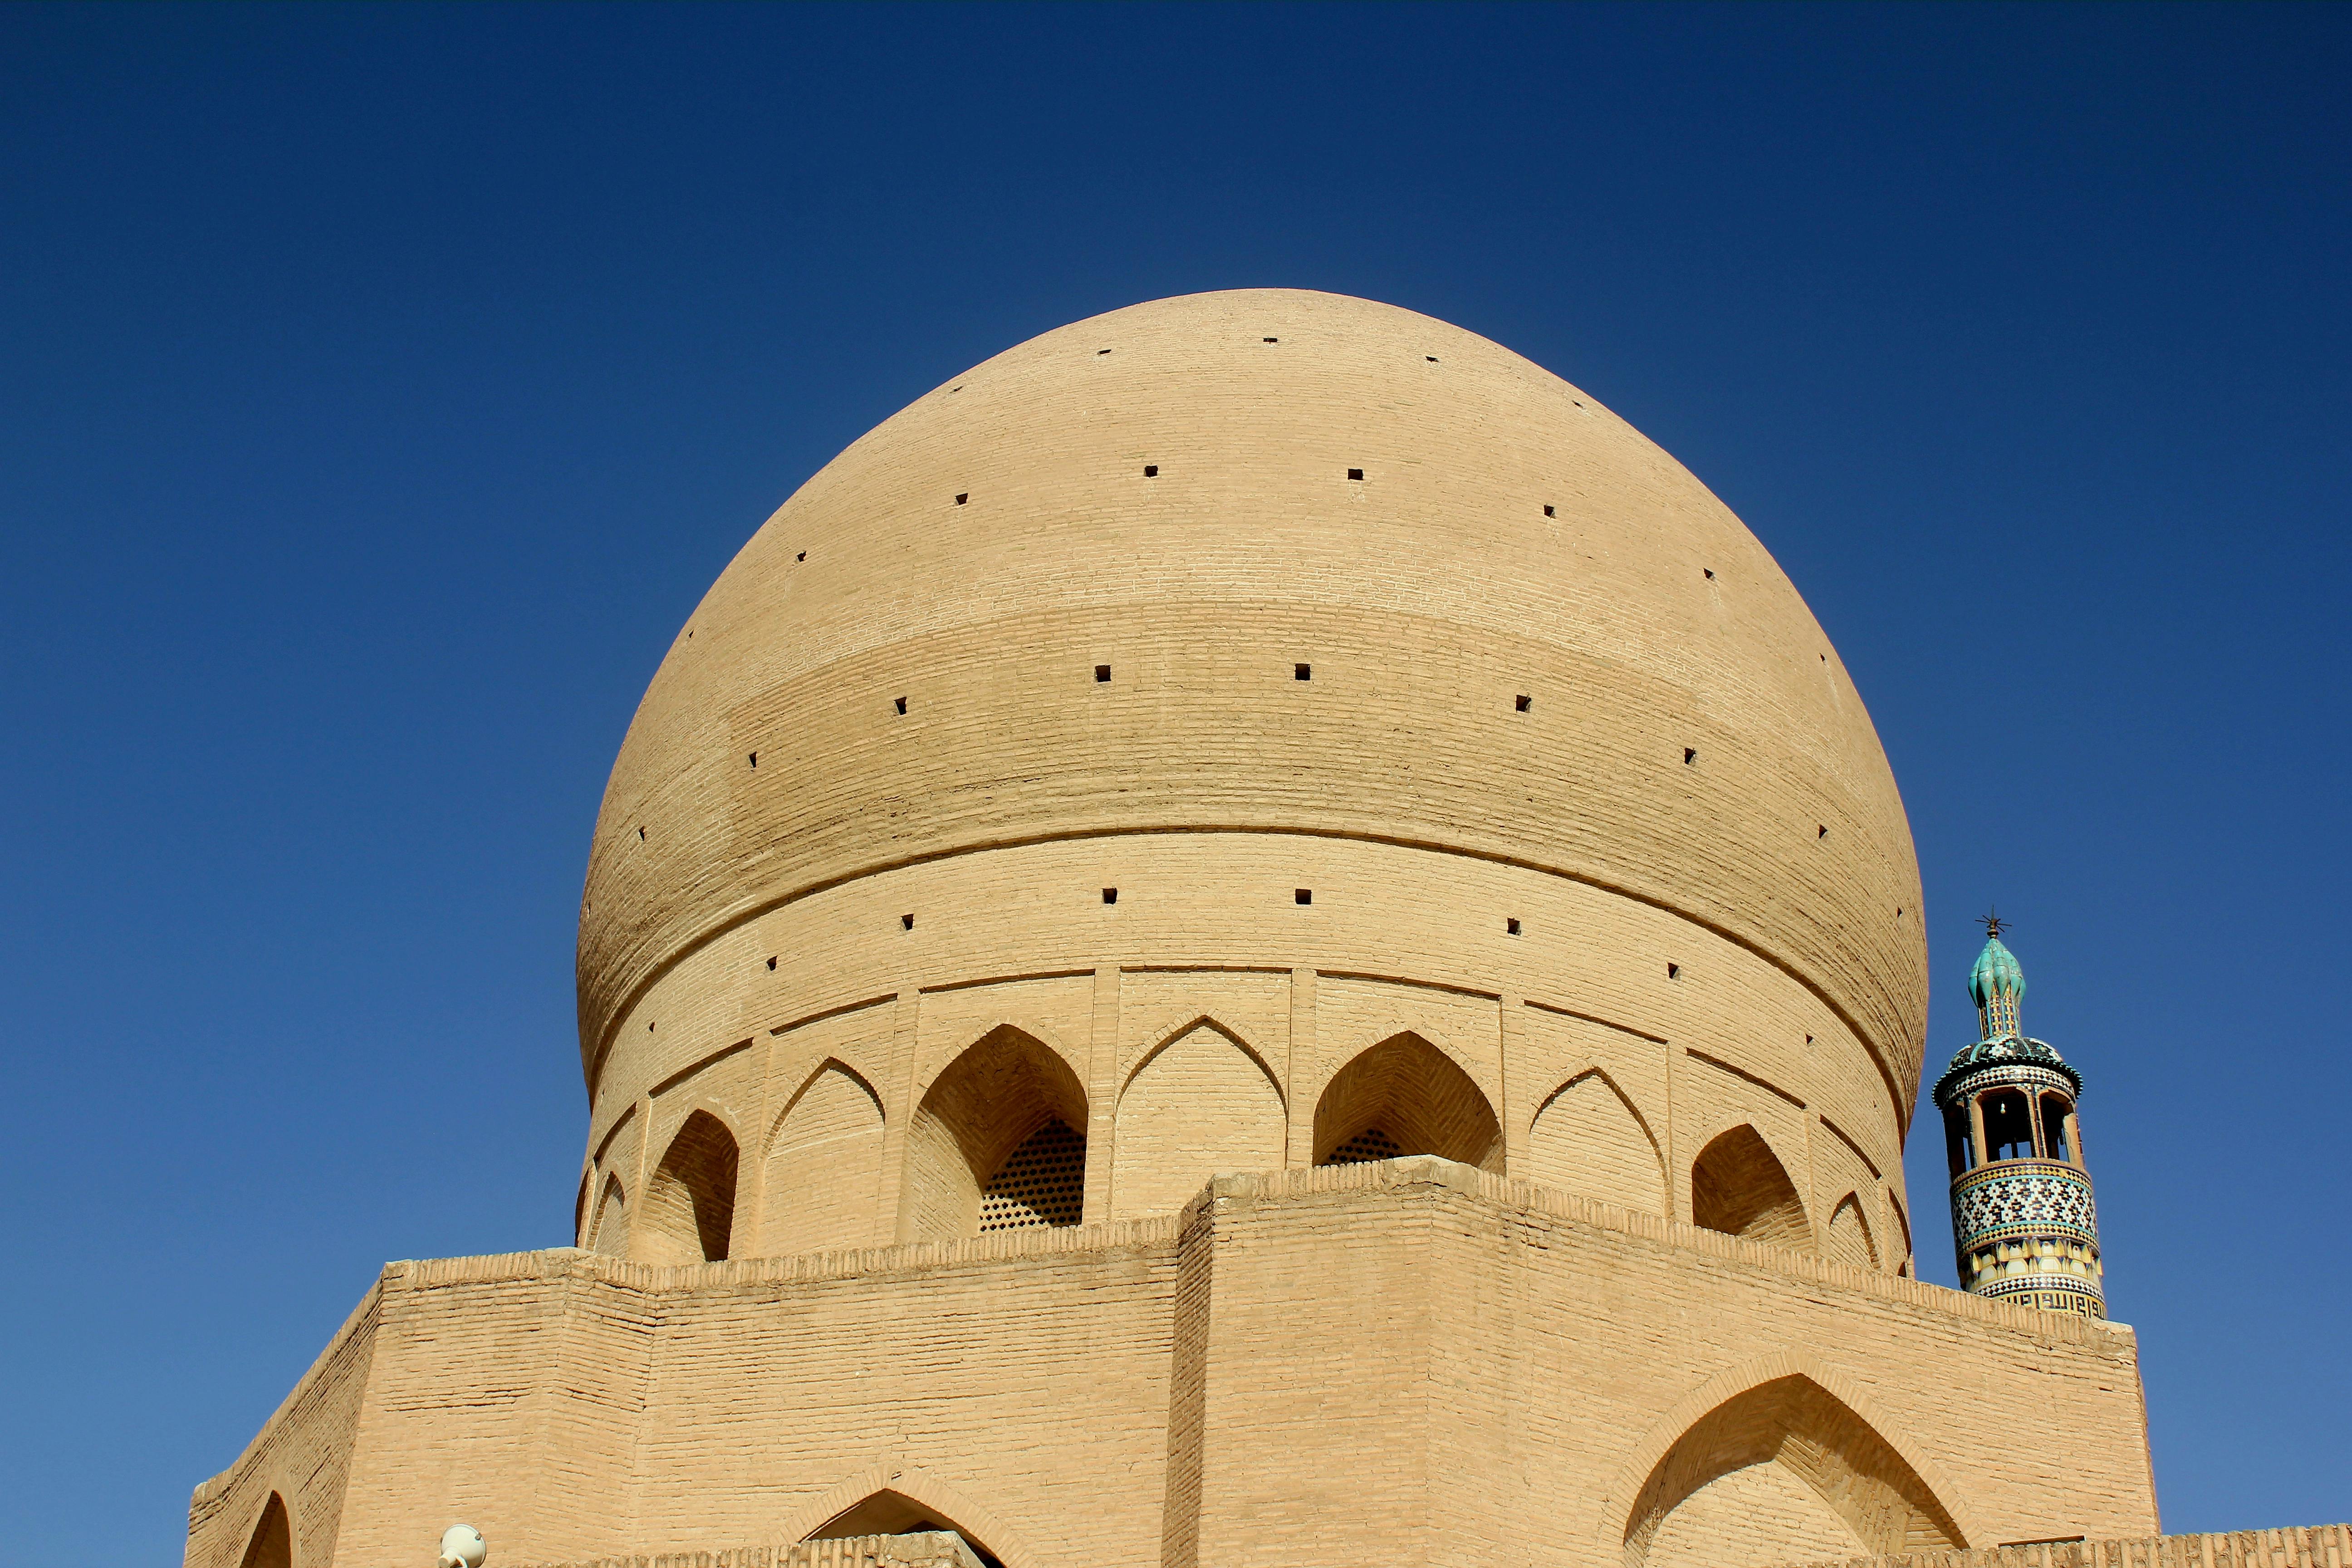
(2023, 1222)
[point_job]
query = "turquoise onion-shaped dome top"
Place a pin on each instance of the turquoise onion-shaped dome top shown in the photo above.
(1996, 974)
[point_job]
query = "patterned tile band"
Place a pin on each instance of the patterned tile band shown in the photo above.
(2027, 1230)
(2020, 1075)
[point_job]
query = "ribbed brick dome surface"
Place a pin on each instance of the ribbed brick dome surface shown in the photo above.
(1690, 740)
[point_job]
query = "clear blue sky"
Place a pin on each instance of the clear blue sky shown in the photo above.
(380, 390)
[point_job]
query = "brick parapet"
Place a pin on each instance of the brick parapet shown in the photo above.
(2316, 1546)
(1155, 1232)
(356, 1326)
(1161, 1232)
(580, 1368)
(1504, 1192)
(919, 1549)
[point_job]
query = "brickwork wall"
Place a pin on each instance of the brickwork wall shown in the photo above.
(1549, 1354)
(1413, 1361)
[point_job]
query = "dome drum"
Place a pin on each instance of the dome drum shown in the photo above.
(1406, 665)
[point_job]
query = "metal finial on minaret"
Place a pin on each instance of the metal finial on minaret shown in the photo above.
(2023, 1222)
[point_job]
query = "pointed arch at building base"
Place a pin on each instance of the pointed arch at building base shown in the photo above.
(876, 1499)
(272, 1545)
(1775, 1463)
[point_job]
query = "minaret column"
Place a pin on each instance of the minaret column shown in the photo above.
(2026, 1229)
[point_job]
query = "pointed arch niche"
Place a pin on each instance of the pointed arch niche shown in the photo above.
(1740, 1187)
(1588, 1140)
(1201, 1104)
(822, 1181)
(612, 1234)
(687, 1214)
(998, 1144)
(1403, 1096)
(1785, 1472)
(1850, 1240)
(272, 1545)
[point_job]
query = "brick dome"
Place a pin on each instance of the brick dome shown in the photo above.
(1330, 636)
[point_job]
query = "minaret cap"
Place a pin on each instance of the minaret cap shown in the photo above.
(1997, 983)
(1996, 974)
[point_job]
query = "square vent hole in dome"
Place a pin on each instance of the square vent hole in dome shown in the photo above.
(1041, 1182)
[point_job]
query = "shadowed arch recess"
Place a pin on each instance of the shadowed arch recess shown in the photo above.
(1780, 1473)
(1002, 1129)
(826, 1518)
(893, 1512)
(1740, 1187)
(272, 1545)
(687, 1214)
(1407, 1095)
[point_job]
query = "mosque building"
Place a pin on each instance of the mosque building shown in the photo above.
(1255, 934)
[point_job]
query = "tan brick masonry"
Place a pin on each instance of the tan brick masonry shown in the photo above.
(1415, 1361)
(921, 1549)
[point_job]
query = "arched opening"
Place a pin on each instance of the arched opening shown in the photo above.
(1403, 1096)
(894, 1513)
(687, 1214)
(1959, 1147)
(2056, 1142)
(612, 1233)
(272, 1545)
(2008, 1125)
(1850, 1240)
(1740, 1187)
(1201, 1104)
(1588, 1140)
(580, 1207)
(823, 1167)
(1903, 1229)
(998, 1144)
(1784, 1473)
